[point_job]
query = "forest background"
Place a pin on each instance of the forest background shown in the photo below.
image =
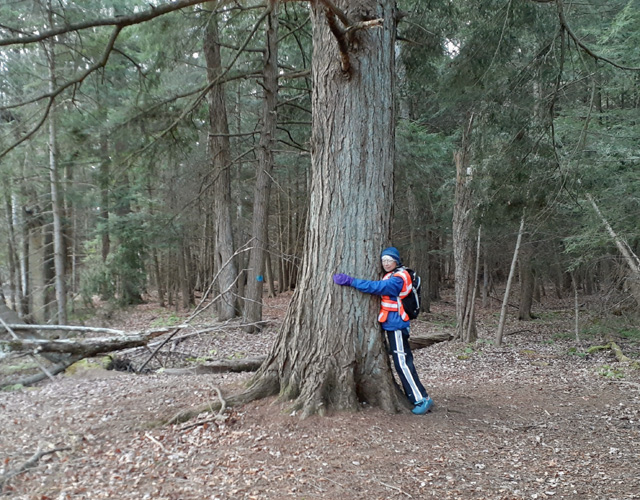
(188, 164)
(164, 152)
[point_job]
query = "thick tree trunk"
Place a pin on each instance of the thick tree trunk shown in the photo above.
(252, 313)
(220, 157)
(329, 354)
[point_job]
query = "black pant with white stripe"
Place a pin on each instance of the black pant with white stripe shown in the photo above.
(403, 360)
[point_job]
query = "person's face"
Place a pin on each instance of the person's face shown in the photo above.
(388, 264)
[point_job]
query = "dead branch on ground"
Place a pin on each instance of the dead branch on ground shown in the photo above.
(28, 464)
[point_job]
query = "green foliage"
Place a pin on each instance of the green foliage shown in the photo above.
(551, 126)
(170, 320)
(608, 371)
(13, 388)
(573, 351)
(122, 276)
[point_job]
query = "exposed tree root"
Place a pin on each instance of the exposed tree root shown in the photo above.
(620, 356)
(266, 386)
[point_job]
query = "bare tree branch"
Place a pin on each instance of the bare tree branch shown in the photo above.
(52, 95)
(119, 21)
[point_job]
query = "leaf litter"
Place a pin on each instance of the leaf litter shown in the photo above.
(526, 420)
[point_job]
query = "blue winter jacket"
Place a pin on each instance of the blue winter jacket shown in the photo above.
(391, 287)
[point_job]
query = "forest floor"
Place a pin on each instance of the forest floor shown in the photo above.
(534, 418)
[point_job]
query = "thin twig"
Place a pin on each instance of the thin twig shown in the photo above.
(395, 488)
(28, 464)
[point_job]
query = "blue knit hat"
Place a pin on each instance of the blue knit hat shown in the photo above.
(393, 253)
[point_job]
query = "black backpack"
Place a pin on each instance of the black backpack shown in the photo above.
(411, 302)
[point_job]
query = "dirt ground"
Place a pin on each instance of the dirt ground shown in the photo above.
(535, 418)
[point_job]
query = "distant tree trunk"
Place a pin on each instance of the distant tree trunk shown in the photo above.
(527, 283)
(252, 313)
(576, 308)
(512, 272)
(485, 281)
(220, 157)
(158, 277)
(329, 354)
(463, 243)
(103, 176)
(56, 201)
(269, 275)
(435, 267)
(25, 266)
(14, 276)
(471, 334)
(183, 274)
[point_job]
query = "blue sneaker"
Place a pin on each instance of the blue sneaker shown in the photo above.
(422, 406)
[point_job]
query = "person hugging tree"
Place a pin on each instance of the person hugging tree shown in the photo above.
(393, 287)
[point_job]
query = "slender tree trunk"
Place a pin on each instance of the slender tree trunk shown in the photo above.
(576, 308)
(471, 334)
(485, 281)
(104, 197)
(14, 283)
(56, 203)
(329, 354)
(435, 266)
(158, 276)
(462, 241)
(25, 266)
(185, 289)
(220, 157)
(252, 313)
(632, 260)
(512, 272)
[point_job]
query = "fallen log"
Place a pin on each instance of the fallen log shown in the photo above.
(421, 341)
(86, 348)
(34, 379)
(220, 366)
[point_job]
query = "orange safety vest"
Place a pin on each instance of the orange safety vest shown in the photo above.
(388, 304)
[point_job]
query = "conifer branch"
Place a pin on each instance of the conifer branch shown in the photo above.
(582, 45)
(119, 21)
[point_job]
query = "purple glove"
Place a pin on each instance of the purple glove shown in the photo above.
(342, 279)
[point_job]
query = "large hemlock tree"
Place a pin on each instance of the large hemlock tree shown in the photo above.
(329, 354)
